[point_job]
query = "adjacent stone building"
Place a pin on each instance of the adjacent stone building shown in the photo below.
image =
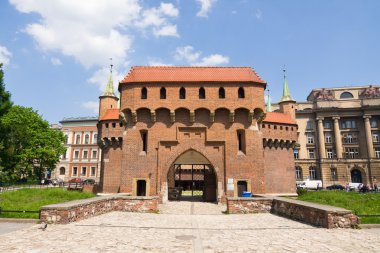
(198, 132)
(338, 135)
(82, 157)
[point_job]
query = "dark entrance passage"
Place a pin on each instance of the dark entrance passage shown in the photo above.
(193, 182)
(141, 188)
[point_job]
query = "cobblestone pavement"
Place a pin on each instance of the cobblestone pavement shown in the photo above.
(184, 227)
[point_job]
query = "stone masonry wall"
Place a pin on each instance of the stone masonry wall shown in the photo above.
(249, 205)
(83, 209)
(314, 214)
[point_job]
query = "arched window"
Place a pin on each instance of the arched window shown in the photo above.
(144, 93)
(182, 93)
(298, 173)
(313, 173)
(62, 171)
(86, 139)
(222, 93)
(162, 93)
(346, 95)
(95, 140)
(202, 93)
(77, 139)
(66, 139)
(241, 92)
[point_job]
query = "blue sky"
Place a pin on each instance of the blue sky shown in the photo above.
(56, 52)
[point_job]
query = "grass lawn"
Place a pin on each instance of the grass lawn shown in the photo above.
(359, 203)
(33, 199)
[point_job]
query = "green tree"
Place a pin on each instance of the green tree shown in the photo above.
(5, 105)
(5, 96)
(31, 147)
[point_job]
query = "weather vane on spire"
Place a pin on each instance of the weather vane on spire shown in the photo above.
(111, 65)
(284, 69)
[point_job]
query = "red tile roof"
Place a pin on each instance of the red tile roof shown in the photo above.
(140, 74)
(111, 114)
(278, 117)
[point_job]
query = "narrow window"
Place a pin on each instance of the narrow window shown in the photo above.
(95, 140)
(202, 93)
(144, 139)
(241, 92)
(241, 140)
(182, 93)
(75, 171)
(313, 173)
(86, 139)
(94, 154)
(222, 93)
(334, 174)
(298, 173)
(85, 154)
(113, 125)
(62, 171)
(65, 141)
(93, 171)
(106, 125)
(144, 93)
(296, 154)
(84, 171)
(162, 93)
(76, 154)
(77, 139)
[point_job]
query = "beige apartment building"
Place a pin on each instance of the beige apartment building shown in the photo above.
(338, 135)
(82, 157)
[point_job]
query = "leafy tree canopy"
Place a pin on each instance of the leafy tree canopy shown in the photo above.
(30, 146)
(5, 96)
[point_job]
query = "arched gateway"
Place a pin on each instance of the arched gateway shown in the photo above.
(192, 177)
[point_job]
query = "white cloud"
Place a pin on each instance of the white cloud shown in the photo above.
(169, 30)
(205, 7)
(157, 19)
(259, 14)
(5, 55)
(92, 31)
(213, 60)
(55, 61)
(188, 55)
(91, 105)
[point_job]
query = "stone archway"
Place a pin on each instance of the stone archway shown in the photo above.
(192, 177)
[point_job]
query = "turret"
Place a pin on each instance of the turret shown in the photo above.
(108, 100)
(269, 103)
(287, 103)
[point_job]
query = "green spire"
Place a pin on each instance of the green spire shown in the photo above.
(109, 87)
(286, 93)
(269, 103)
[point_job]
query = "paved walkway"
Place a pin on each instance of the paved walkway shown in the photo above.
(183, 227)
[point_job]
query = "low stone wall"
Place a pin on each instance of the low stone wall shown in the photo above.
(82, 209)
(315, 214)
(249, 205)
(310, 213)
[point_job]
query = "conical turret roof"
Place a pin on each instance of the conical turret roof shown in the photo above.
(286, 93)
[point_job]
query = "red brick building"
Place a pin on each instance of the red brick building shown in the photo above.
(202, 130)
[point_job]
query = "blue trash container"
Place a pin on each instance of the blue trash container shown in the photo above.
(247, 194)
